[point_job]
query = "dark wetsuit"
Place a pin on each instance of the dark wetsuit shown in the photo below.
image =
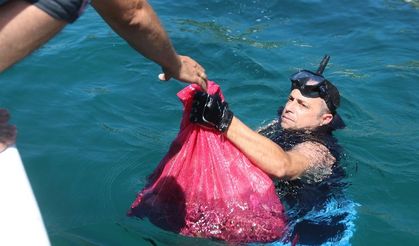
(317, 209)
(67, 10)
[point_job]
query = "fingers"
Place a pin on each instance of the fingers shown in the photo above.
(192, 72)
(198, 104)
(7, 136)
(197, 71)
(4, 116)
(194, 115)
(7, 131)
(200, 98)
(189, 71)
(203, 83)
(200, 71)
(202, 77)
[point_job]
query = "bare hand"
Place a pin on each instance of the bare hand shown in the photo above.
(189, 71)
(7, 131)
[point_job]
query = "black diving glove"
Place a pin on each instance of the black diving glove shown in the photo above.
(210, 111)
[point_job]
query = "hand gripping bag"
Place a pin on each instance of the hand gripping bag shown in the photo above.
(205, 187)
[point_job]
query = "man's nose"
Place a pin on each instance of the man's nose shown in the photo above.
(290, 106)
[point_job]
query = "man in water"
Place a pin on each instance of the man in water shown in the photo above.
(298, 149)
(25, 25)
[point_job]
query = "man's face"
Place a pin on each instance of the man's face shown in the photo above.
(302, 112)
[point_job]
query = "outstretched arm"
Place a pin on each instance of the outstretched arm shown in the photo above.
(138, 24)
(264, 153)
(23, 28)
(210, 111)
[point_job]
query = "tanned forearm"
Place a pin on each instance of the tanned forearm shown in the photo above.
(138, 24)
(264, 153)
(23, 28)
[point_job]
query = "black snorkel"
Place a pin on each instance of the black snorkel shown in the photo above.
(323, 64)
(337, 122)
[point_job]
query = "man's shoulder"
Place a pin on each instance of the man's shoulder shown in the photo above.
(316, 152)
(320, 160)
(310, 144)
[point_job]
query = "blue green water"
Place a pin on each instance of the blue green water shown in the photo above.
(94, 120)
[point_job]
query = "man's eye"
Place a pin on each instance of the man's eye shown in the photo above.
(304, 105)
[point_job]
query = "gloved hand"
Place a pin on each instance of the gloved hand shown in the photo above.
(210, 111)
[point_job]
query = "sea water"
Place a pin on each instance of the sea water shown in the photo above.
(94, 120)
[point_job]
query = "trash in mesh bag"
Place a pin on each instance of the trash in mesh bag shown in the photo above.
(206, 187)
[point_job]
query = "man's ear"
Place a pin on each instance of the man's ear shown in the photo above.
(326, 118)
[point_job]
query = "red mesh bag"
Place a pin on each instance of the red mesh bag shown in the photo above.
(205, 187)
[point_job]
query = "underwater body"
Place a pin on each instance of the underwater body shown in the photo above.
(94, 121)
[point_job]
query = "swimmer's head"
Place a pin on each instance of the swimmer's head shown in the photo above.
(315, 85)
(313, 100)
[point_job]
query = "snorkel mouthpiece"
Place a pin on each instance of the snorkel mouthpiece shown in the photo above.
(323, 64)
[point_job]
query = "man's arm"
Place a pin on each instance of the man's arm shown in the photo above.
(23, 28)
(211, 111)
(266, 154)
(138, 24)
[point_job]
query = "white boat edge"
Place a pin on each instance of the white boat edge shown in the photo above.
(21, 221)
